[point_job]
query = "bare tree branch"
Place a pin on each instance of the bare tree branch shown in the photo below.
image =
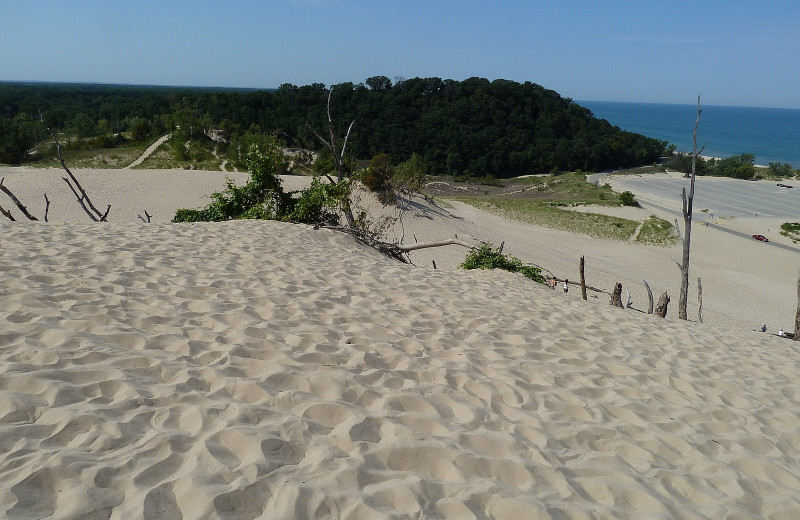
(46, 206)
(7, 214)
(83, 198)
(19, 204)
(146, 218)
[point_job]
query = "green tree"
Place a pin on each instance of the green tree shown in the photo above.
(17, 138)
(140, 130)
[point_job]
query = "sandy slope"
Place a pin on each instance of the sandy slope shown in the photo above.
(267, 370)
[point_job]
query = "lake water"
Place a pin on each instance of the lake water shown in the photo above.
(771, 134)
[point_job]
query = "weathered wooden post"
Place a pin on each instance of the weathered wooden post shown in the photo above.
(583, 282)
(661, 308)
(699, 300)
(650, 297)
(616, 296)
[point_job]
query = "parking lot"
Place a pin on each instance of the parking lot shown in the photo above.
(722, 197)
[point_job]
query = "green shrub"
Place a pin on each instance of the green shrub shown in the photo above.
(487, 257)
(627, 199)
(791, 230)
(262, 197)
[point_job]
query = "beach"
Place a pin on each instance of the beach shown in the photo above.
(257, 369)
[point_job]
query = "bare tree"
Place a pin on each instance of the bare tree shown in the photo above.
(338, 157)
(332, 144)
(687, 223)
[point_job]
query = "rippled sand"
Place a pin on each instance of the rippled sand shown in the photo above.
(250, 370)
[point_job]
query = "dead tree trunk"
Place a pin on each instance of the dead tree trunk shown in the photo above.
(687, 223)
(583, 282)
(699, 300)
(616, 296)
(649, 296)
(661, 308)
(797, 316)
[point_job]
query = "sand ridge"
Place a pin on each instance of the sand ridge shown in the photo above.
(267, 370)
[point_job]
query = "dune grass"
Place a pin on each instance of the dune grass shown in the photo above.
(657, 231)
(548, 215)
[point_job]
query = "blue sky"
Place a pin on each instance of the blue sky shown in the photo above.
(730, 52)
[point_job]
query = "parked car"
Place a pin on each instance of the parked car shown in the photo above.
(761, 238)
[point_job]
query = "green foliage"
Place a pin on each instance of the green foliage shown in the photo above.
(140, 130)
(178, 145)
(320, 203)
(683, 163)
(657, 231)
(263, 197)
(791, 230)
(627, 199)
(782, 169)
(487, 257)
(737, 166)
(17, 138)
(410, 176)
(377, 177)
(499, 128)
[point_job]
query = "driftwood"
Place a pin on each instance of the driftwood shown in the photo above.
(649, 296)
(699, 300)
(628, 301)
(616, 296)
(16, 201)
(396, 251)
(7, 214)
(146, 218)
(46, 207)
(661, 308)
(583, 281)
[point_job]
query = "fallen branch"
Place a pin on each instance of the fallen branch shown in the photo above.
(46, 206)
(7, 214)
(19, 204)
(146, 218)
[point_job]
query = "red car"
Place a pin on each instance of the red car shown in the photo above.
(761, 238)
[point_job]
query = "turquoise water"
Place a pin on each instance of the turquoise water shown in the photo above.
(771, 134)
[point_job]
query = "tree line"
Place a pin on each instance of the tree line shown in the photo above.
(473, 127)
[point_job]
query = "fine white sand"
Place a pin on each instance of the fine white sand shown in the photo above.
(246, 370)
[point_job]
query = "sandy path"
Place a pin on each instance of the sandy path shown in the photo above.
(152, 148)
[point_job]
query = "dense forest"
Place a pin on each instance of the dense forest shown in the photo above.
(499, 128)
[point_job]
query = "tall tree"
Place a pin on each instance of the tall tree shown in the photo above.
(687, 223)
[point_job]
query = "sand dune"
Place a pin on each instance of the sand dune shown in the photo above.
(248, 370)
